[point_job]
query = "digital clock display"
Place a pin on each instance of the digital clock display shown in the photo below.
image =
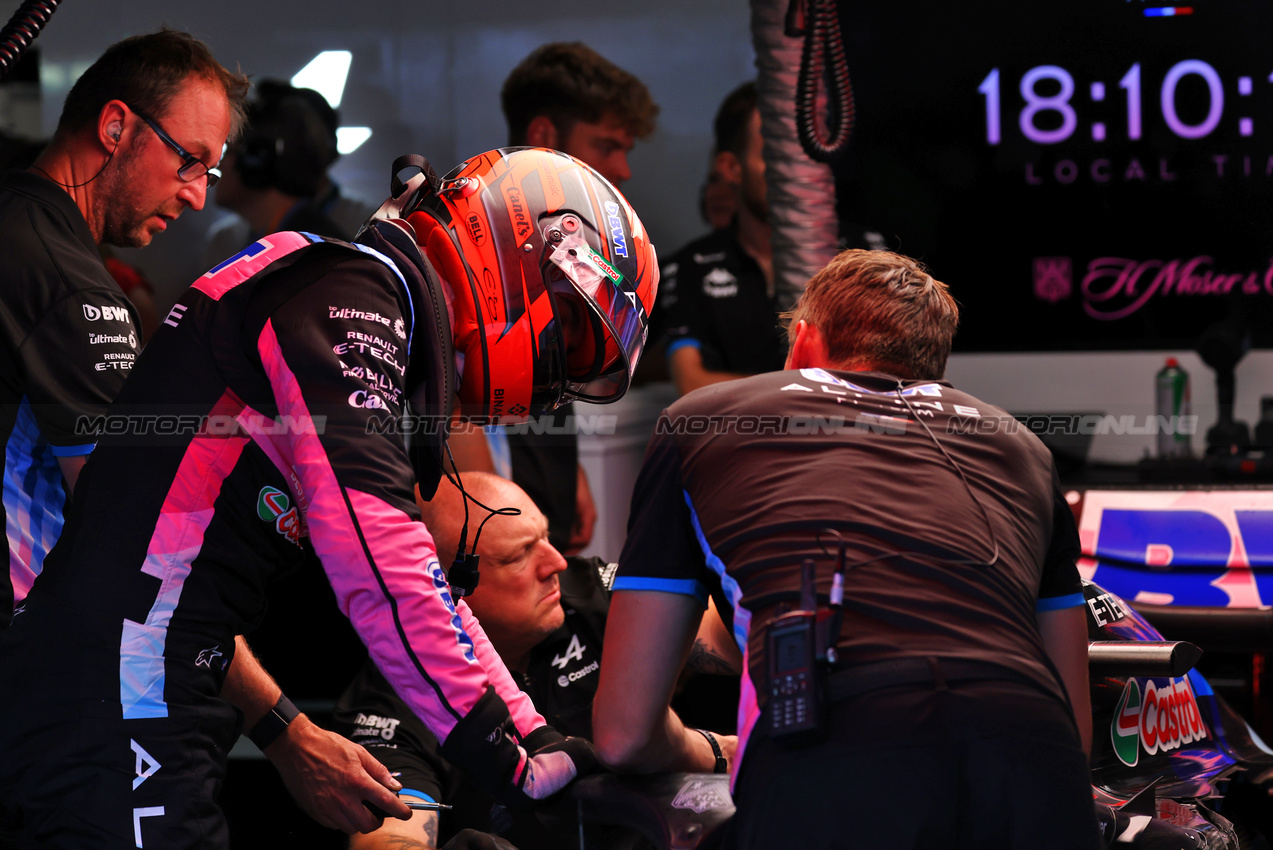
(1088, 175)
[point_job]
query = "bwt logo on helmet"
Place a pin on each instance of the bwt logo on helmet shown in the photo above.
(477, 230)
(616, 229)
(107, 313)
(517, 212)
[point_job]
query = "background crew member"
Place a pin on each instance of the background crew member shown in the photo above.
(275, 176)
(289, 368)
(961, 598)
(716, 301)
(70, 336)
(567, 97)
(545, 616)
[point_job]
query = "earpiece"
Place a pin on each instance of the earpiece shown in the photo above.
(116, 131)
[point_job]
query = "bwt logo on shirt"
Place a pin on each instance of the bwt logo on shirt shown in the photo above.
(107, 314)
(370, 724)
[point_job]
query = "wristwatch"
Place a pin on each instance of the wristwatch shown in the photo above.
(721, 766)
(274, 723)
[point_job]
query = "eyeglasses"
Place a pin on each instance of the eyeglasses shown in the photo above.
(192, 168)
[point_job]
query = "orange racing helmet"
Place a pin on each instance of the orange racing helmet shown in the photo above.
(552, 278)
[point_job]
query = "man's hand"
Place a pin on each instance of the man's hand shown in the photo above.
(330, 777)
(585, 515)
(728, 748)
(555, 761)
(484, 745)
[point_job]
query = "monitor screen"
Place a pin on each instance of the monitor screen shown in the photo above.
(1087, 175)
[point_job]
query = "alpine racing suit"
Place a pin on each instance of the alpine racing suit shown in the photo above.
(259, 433)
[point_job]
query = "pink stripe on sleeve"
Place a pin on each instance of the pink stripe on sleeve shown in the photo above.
(525, 716)
(384, 570)
(221, 278)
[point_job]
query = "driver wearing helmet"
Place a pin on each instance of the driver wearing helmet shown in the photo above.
(279, 421)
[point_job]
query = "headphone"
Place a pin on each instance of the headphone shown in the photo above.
(289, 143)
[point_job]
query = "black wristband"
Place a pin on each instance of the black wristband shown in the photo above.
(722, 766)
(274, 723)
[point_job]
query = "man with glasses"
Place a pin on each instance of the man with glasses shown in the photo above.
(278, 422)
(110, 176)
(140, 134)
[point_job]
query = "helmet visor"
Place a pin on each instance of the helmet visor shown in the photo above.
(603, 324)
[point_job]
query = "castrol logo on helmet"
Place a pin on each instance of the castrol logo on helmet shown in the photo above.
(1164, 720)
(517, 212)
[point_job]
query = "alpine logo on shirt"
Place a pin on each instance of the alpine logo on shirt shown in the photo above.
(574, 652)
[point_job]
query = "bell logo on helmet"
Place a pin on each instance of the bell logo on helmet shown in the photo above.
(477, 230)
(616, 229)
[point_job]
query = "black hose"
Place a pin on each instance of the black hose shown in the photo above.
(22, 29)
(823, 57)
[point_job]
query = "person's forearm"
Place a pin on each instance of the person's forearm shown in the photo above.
(648, 635)
(327, 775)
(247, 686)
(1064, 635)
(671, 747)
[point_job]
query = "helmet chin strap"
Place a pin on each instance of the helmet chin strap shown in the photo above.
(405, 196)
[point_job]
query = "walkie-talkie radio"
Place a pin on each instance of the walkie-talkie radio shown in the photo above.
(797, 675)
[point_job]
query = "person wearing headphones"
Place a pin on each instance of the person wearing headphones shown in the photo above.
(545, 615)
(138, 135)
(274, 172)
(896, 561)
(279, 420)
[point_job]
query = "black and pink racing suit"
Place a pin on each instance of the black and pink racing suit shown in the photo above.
(261, 432)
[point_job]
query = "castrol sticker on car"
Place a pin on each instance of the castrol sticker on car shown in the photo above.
(1154, 718)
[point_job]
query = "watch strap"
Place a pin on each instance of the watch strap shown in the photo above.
(721, 766)
(274, 723)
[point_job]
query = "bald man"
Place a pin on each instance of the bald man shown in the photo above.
(544, 614)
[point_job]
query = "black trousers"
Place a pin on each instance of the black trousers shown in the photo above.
(970, 764)
(79, 781)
